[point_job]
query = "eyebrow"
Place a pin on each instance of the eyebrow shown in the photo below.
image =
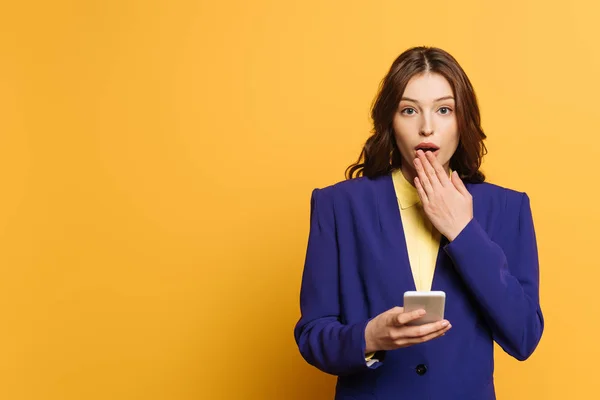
(435, 101)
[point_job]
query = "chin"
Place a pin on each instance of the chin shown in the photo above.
(444, 162)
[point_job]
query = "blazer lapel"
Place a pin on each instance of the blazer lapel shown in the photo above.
(398, 273)
(393, 241)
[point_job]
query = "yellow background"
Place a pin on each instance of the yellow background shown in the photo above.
(156, 163)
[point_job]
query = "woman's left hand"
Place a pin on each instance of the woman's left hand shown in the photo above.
(446, 201)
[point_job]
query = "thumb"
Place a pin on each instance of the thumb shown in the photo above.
(403, 318)
(391, 315)
(458, 184)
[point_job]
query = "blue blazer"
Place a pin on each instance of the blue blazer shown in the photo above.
(357, 267)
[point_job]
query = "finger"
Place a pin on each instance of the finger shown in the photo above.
(426, 338)
(423, 177)
(424, 330)
(428, 168)
(405, 317)
(421, 191)
(458, 184)
(441, 174)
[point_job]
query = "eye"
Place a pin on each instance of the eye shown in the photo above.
(445, 110)
(409, 111)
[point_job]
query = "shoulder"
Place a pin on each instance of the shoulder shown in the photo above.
(352, 189)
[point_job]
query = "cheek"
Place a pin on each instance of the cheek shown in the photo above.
(403, 143)
(403, 132)
(450, 139)
(451, 134)
(453, 141)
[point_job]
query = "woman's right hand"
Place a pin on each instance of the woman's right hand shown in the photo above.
(388, 330)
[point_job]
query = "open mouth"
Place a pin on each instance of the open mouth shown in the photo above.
(427, 147)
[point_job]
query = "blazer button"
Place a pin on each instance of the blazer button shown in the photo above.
(421, 369)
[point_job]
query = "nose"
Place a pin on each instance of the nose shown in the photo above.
(426, 126)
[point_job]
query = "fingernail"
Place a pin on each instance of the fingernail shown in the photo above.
(421, 312)
(445, 324)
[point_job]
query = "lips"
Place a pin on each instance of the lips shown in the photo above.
(426, 146)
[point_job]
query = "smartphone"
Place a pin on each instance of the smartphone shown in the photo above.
(432, 302)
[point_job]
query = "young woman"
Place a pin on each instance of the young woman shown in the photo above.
(416, 214)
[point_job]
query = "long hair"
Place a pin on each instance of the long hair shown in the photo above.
(380, 154)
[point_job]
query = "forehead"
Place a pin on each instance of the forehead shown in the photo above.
(427, 87)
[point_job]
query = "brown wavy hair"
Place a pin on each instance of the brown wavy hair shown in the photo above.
(380, 154)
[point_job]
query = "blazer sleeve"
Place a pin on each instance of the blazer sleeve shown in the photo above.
(503, 276)
(323, 340)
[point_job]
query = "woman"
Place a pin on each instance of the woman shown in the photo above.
(416, 214)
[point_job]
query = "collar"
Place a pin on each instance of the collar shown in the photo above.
(405, 192)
